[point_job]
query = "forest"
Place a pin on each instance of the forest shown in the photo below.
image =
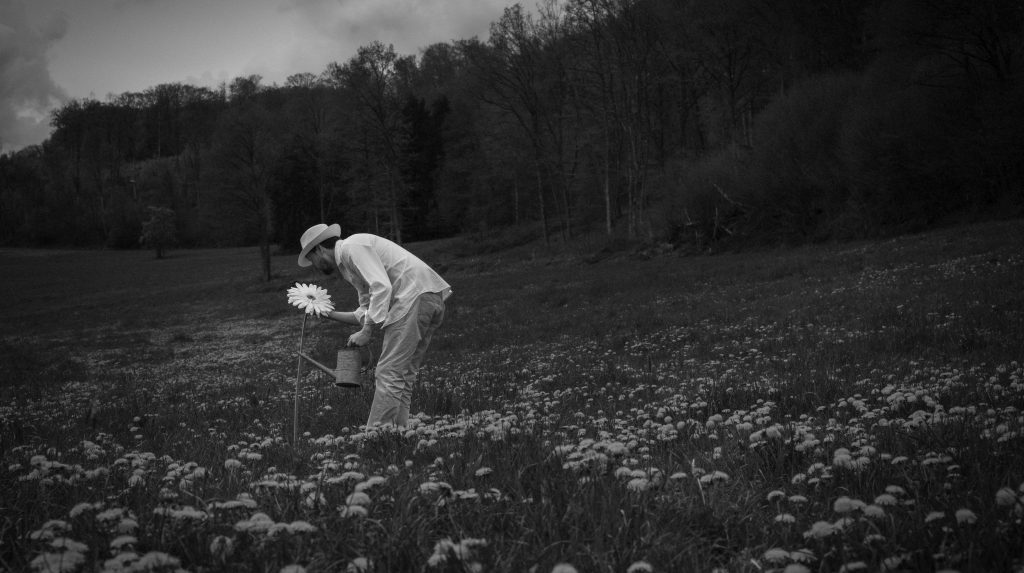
(704, 122)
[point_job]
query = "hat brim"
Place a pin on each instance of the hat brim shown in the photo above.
(331, 231)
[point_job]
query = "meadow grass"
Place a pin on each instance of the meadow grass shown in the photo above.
(831, 408)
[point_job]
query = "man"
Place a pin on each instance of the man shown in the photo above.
(398, 294)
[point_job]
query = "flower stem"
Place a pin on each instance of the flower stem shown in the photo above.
(298, 376)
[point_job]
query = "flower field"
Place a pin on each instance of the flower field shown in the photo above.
(854, 407)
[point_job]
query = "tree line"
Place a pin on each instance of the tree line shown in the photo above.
(671, 120)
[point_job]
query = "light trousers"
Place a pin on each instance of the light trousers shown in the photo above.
(405, 344)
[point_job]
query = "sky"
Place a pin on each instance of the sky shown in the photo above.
(52, 51)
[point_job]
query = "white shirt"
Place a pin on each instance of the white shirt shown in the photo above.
(387, 277)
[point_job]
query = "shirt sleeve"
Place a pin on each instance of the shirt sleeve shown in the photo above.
(369, 267)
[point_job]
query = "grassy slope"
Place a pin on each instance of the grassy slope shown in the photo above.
(192, 358)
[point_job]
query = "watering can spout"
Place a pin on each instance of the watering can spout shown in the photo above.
(347, 374)
(309, 359)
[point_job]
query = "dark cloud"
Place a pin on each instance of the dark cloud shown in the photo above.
(27, 91)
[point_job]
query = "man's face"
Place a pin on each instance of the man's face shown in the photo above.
(322, 260)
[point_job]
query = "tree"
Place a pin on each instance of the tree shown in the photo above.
(158, 232)
(377, 134)
(245, 152)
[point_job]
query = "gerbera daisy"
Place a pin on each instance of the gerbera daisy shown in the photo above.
(310, 298)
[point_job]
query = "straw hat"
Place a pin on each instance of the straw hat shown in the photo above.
(313, 237)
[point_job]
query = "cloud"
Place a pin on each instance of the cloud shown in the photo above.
(27, 91)
(410, 25)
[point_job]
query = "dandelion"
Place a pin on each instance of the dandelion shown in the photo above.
(358, 565)
(820, 530)
(638, 484)
(69, 545)
(965, 515)
(358, 498)
(293, 569)
(776, 555)
(775, 495)
(353, 511)
(483, 472)
(310, 298)
(563, 568)
(845, 505)
(155, 560)
(785, 518)
(796, 568)
(1006, 497)
(640, 567)
(874, 511)
(934, 516)
(886, 499)
(853, 566)
(121, 541)
(802, 555)
(58, 562)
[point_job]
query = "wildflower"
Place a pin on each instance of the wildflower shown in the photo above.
(796, 568)
(358, 498)
(301, 527)
(775, 494)
(845, 504)
(232, 464)
(965, 515)
(293, 569)
(83, 507)
(776, 555)
(640, 567)
(1006, 497)
(370, 483)
(156, 560)
(353, 511)
(820, 530)
(853, 566)
(121, 562)
(874, 511)
(69, 545)
(358, 565)
(802, 555)
(934, 516)
(895, 490)
(483, 472)
(885, 499)
(797, 499)
(121, 541)
(58, 562)
(310, 298)
(563, 568)
(785, 518)
(638, 484)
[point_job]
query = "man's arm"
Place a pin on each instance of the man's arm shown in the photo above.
(344, 317)
(365, 335)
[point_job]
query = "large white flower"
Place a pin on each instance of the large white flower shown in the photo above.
(310, 298)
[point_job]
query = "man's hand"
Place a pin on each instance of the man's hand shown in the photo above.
(361, 338)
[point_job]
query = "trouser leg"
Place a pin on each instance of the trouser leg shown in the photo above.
(405, 344)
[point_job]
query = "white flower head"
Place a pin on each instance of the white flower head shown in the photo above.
(310, 298)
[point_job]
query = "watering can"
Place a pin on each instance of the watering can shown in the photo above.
(351, 363)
